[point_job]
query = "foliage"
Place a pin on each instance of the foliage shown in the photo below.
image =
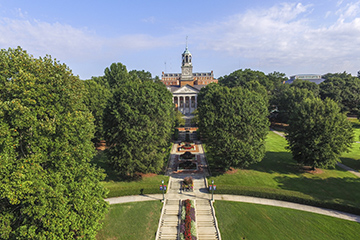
(243, 77)
(303, 84)
(286, 99)
(318, 133)
(234, 123)
(116, 75)
(179, 120)
(48, 189)
(344, 89)
(142, 75)
(139, 120)
(96, 97)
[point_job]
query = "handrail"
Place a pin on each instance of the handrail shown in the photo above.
(215, 220)
(160, 220)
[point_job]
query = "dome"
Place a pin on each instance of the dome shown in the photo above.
(186, 51)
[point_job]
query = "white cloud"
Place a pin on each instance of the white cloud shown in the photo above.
(65, 41)
(284, 36)
(44, 38)
(151, 19)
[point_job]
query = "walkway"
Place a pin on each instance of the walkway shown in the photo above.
(349, 169)
(246, 199)
(206, 224)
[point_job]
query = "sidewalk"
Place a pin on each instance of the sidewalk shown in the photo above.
(246, 199)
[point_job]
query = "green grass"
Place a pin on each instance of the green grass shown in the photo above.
(279, 177)
(118, 186)
(253, 221)
(131, 221)
(352, 158)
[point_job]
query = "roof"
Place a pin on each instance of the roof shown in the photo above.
(186, 51)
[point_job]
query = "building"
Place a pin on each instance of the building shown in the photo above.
(315, 78)
(186, 85)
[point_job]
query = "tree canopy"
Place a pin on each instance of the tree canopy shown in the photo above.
(48, 189)
(95, 98)
(139, 121)
(286, 99)
(318, 133)
(344, 89)
(234, 123)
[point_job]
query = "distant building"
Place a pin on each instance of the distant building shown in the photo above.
(186, 85)
(315, 78)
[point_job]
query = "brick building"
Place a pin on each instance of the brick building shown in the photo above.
(186, 85)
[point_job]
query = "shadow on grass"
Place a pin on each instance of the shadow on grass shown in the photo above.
(99, 160)
(350, 162)
(273, 162)
(345, 191)
(277, 162)
(355, 125)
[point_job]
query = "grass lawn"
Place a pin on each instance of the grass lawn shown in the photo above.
(352, 158)
(131, 221)
(146, 184)
(279, 177)
(253, 221)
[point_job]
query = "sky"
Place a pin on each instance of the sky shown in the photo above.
(291, 37)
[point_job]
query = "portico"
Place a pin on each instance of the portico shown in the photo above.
(185, 99)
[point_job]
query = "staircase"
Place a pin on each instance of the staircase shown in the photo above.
(205, 220)
(169, 221)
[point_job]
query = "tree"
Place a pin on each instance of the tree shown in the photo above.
(234, 123)
(48, 189)
(138, 123)
(286, 99)
(142, 75)
(241, 77)
(318, 133)
(179, 120)
(303, 84)
(116, 75)
(344, 89)
(95, 98)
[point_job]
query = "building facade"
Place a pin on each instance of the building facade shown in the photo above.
(315, 78)
(186, 85)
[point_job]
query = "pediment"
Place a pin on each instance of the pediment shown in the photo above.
(186, 89)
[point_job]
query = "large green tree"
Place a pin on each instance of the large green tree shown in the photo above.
(286, 99)
(303, 84)
(138, 122)
(243, 77)
(234, 123)
(96, 97)
(318, 133)
(344, 89)
(48, 189)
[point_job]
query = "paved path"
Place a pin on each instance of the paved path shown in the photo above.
(349, 169)
(206, 224)
(238, 198)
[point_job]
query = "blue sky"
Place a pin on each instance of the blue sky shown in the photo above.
(292, 37)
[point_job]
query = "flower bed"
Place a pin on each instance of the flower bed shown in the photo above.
(188, 225)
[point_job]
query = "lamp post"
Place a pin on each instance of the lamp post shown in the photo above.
(163, 188)
(212, 188)
(212, 193)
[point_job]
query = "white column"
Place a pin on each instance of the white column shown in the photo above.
(195, 101)
(189, 104)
